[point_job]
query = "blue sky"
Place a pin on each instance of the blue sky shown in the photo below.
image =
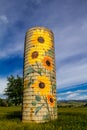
(67, 19)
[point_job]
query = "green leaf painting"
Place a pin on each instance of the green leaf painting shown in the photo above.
(38, 109)
(38, 98)
(29, 70)
(30, 82)
(54, 86)
(34, 103)
(50, 52)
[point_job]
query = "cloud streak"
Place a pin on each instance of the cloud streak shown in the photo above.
(3, 82)
(71, 54)
(3, 19)
(73, 95)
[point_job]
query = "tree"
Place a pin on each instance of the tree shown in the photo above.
(14, 90)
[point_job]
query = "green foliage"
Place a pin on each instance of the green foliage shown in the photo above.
(34, 103)
(68, 119)
(50, 52)
(38, 98)
(29, 70)
(30, 82)
(14, 90)
(54, 86)
(38, 109)
(3, 102)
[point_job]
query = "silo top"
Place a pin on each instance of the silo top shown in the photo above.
(42, 28)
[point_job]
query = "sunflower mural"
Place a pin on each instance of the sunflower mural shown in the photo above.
(41, 38)
(42, 85)
(35, 55)
(39, 94)
(47, 63)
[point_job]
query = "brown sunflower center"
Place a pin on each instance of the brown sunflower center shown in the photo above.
(48, 62)
(41, 39)
(42, 85)
(51, 100)
(34, 55)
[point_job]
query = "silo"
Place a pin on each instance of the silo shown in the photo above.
(39, 93)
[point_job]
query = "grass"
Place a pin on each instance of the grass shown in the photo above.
(68, 119)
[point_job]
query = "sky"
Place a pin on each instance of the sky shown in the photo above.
(68, 21)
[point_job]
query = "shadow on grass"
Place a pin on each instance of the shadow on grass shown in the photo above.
(14, 115)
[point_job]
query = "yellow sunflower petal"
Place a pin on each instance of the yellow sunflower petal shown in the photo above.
(50, 100)
(47, 63)
(35, 55)
(41, 38)
(42, 85)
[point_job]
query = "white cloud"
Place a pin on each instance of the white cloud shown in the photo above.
(12, 51)
(14, 48)
(75, 95)
(71, 74)
(3, 19)
(3, 82)
(65, 93)
(71, 40)
(71, 54)
(81, 91)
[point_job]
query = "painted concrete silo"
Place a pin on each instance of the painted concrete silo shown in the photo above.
(39, 94)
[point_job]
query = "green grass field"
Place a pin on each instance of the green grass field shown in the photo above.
(68, 119)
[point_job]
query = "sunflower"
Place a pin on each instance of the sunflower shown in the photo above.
(50, 100)
(35, 55)
(42, 85)
(47, 63)
(41, 38)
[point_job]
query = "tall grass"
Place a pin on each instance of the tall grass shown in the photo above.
(68, 119)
